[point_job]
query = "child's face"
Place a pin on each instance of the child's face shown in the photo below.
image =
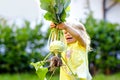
(69, 37)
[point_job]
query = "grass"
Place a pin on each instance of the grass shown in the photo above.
(23, 76)
(17, 76)
(107, 77)
(27, 76)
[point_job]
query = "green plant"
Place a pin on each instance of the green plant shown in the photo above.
(19, 46)
(105, 43)
(55, 12)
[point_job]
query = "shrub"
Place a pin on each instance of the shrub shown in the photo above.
(105, 41)
(20, 46)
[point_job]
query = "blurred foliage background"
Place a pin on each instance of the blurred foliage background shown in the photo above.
(105, 43)
(19, 46)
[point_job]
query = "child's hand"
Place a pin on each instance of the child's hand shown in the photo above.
(52, 25)
(59, 26)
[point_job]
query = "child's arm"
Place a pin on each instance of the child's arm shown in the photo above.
(77, 32)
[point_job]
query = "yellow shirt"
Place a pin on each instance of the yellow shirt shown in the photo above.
(76, 58)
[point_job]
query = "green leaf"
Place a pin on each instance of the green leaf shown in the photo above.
(41, 72)
(63, 16)
(48, 16)
(67, 3)
(59, 6)
(37, 65)
(55, 10)
(51, 17)
(47, 5)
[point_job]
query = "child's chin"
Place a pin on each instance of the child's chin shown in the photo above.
(69, 42)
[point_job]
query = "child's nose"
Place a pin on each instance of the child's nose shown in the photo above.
(67, 34)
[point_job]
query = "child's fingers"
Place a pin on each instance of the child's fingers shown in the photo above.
(61, 26)
(52, 25)
(57, 27)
